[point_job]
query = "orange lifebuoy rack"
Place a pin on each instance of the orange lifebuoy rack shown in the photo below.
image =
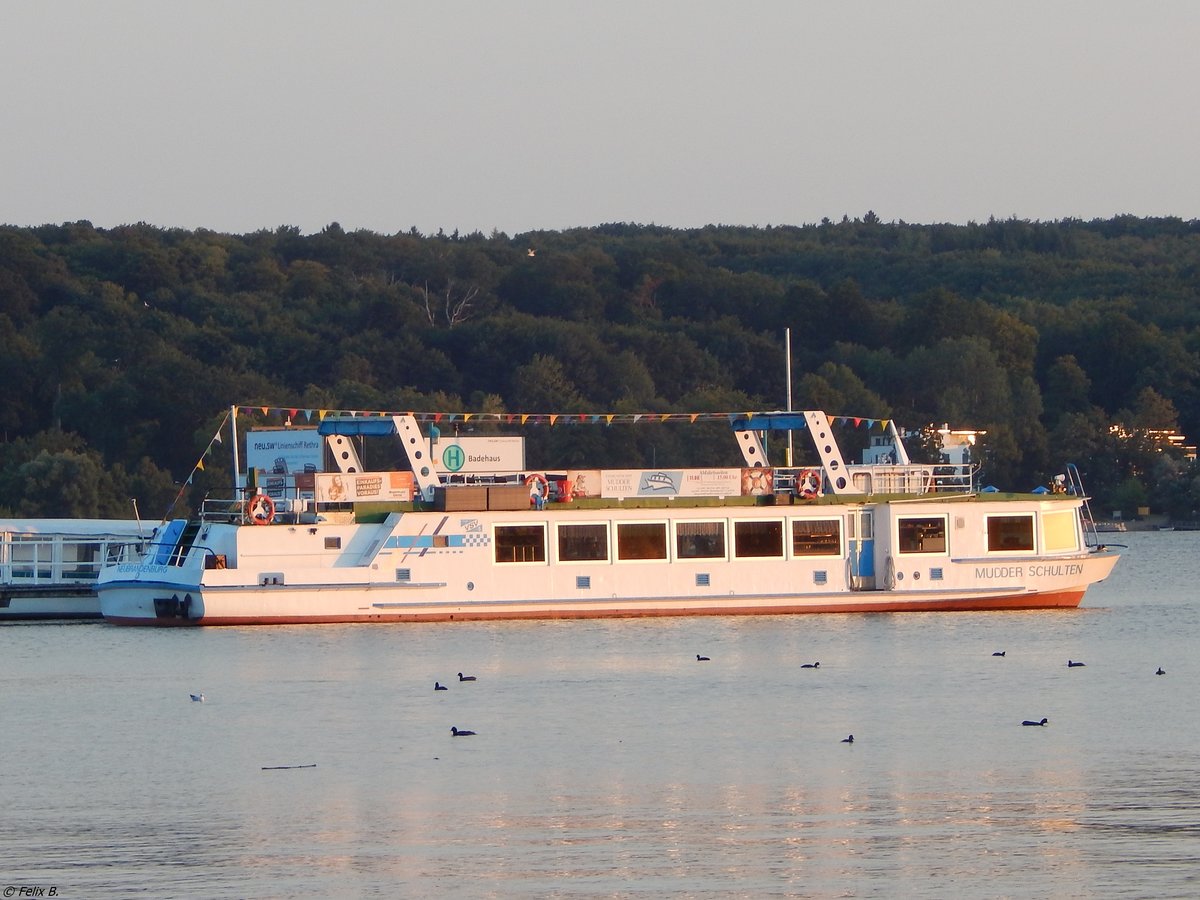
(260, 509)
(542, 480)
(808, 485)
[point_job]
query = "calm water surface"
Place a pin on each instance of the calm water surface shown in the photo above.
(608, 761)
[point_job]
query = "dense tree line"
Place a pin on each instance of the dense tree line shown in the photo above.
(121, 349)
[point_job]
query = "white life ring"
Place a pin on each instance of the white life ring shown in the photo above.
(260, 509)
(808, 485)
(543, 484)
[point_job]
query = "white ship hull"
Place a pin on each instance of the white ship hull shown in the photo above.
(450, 566)
(48, 567)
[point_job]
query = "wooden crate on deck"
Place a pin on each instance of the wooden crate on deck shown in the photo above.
(460, 497)
(507, 496)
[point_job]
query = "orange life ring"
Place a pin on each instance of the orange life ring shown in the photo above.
(808, 485)
(542, 480)
(260, 509)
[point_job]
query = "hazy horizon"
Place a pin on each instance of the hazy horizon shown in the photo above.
(544, 116)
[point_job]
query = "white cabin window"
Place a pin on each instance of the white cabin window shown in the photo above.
(700, 540)
(583, 543)
(32, 557)
(641, 540)
(758, 540)
(921, 534)
(861, 525)
(1060, 530)
(520, 543)
(816, 537)
(84, 556)
(1010, 533)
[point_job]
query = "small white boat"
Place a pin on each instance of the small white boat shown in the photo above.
(886, 536)
(48, 567)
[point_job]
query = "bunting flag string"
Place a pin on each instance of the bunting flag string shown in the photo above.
(199, 466)
(290, 414)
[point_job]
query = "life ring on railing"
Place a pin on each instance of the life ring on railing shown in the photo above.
(808, 485)
(260, 509)
(539, 489)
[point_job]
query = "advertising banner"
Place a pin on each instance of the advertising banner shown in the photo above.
(617, 483)
(284, 451)
(342, 487)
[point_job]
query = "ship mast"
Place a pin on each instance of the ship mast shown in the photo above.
(788, 368)
(237, 465)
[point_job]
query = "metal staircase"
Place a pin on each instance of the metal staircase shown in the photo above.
(1091, 535)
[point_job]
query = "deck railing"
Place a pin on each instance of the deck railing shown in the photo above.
(44, 559)
(888, 478)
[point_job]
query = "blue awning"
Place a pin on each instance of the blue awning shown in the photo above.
(356, 425)
(781, 421)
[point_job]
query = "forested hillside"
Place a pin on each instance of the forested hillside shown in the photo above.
(121, 349)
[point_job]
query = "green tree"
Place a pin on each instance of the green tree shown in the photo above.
(1067, 386)
(65, 484)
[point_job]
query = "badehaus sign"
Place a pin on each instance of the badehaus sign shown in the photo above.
(477, 455)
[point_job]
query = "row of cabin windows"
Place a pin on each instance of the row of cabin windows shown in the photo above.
(649, 540)
(25, 556)
(927, 534)
(1005, 533)
(765, 539)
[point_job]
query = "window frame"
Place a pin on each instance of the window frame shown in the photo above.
(733, 544)
(558, 544)
(840, 526)
(722, 557)
(1057, 523)
(1029, 517)
(901, 521)
(641, 523)
(496, 544)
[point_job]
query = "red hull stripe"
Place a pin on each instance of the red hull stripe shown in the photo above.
(1058, 600)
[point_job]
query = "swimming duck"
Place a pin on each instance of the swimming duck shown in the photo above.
(1071, 664)
(815, 665)
(460, 733)
(998, 653)
(462, 677)
(700, 658)
(848, 740)
(1029, 722)
(438, 686)
(1160, 671)
(198, 698)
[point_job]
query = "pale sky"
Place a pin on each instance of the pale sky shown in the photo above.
(239, 116)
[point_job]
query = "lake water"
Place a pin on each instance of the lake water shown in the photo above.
(609, 762)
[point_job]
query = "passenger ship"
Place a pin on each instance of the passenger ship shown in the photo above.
(870, 537)
(48, 567)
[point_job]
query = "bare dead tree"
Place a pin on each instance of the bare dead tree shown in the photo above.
(455, 302)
